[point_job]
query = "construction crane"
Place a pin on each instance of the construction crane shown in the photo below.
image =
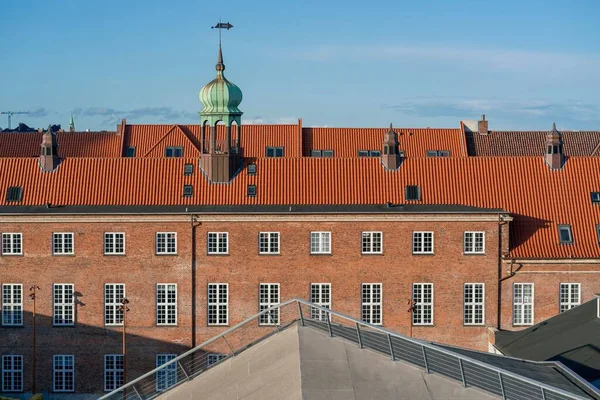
(11, 113)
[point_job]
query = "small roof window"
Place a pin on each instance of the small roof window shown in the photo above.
(130, 151)
(14, 193)
(188, 169)
(251, 190)
(412, 193)
(564, 233)
(274, 151)
(173, 152)
(251, 169)
(188, 190)
(595, 197)
(598, 232)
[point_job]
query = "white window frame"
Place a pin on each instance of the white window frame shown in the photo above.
(169, 306)
(264, 303)
(320, 294)
(473, 304)
(370, 307)
(470, 242)
(420, 305)
(319, 239)
(216, 305)
(166, 237)
(12, 304)
(64, 307)
(114, 382)
(218, 238)
(111, 240)
(114, 305)
(15, 241)
(268, 239)
(520, 305)
(12, 375)
(166, 377)
(418, 245)
(64, 371)
(369, 242)
(59, 243)
(214, 358)
(567, 305)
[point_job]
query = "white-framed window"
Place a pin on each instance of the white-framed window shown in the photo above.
(12, 373)
(268, 243)
(12, 244)
(218, 304)
(218, 243)
(570, 296)
(166, 304)
(12, 304)
(63, 372)
(422, 242)
(113, 372)
(320, 242)
(166, 243)
(474, 304)
(64, 306)
(372, 242)
(523, 303)
(474, 243)
(423, 299)
(320, 294)
(268, 297)
(62, 243)
(371, 300)
(114, 293)
(167, 376)
(114, 243)
(214, 358)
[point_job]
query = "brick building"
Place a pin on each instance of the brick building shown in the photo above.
(200, 227)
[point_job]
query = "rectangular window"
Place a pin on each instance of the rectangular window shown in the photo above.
(363, 153)
(372, 242)
(188, 190)
(218, 243)
(268, 242)
(423, 300)
(412, 193)
(595, 197)
(62, 243)
(327, 153)
(174, 152)
(14, 193)
(268, 297)
(474, 303)
(188, 169)
(113, 372)
(166, 243)
(12, 304)
(523, 304)
(166, 304)
(63, 373)
(320, 294)
(218, 304)
(422, 242)
(570, 296)
(598, 232)
(320, 242)
(114, 243)
(565, 234)
(474, 242)
(371, 303)
(63, 304)
(130, 151)
(214, 358)
(375, 153)
(274, 151)
(12, 373)
(166, 376)
(12, 244)
(431, 153)
(114, 293)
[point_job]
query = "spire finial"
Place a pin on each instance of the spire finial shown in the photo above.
(391, 129)
(554, 126)
(221, 25)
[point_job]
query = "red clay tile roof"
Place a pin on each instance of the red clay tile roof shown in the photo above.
(537, 197)
(70, 144)
(529, 143)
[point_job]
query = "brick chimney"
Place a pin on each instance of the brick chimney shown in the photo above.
(49, 159)
(390, 157)
(482, 126)
(554, 149)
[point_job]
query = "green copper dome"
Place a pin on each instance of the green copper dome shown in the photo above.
(220, 96)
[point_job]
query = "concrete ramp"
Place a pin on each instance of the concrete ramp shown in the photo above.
(305, 363)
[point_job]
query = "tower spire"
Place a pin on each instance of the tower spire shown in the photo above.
(71, 124)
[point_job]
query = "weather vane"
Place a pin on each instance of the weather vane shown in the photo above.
(221, 25)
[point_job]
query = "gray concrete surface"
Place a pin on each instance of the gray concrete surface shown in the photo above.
(304, 363)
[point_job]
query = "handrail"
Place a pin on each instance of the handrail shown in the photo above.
(542, 386)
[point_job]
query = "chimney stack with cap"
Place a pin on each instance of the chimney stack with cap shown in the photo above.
(555, 157)
(390, 158)
(49, 159)
(482, 126)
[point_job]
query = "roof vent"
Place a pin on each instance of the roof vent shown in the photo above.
(412, 193)
(14, 193)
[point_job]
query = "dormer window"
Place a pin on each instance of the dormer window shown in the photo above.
(438, 153)
(130, 152)
(14, 193)
(252, 169)
(595, 197)
(174, 152)
(412, 193)
(274, 152)
(564, 233)
(369, 153)
(321, 153)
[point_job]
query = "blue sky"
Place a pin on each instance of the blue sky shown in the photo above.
(421, 63)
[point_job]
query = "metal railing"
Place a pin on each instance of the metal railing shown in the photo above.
(433, 359)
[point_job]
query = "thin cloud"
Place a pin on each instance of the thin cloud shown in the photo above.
(270, 121)
(112, 116)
